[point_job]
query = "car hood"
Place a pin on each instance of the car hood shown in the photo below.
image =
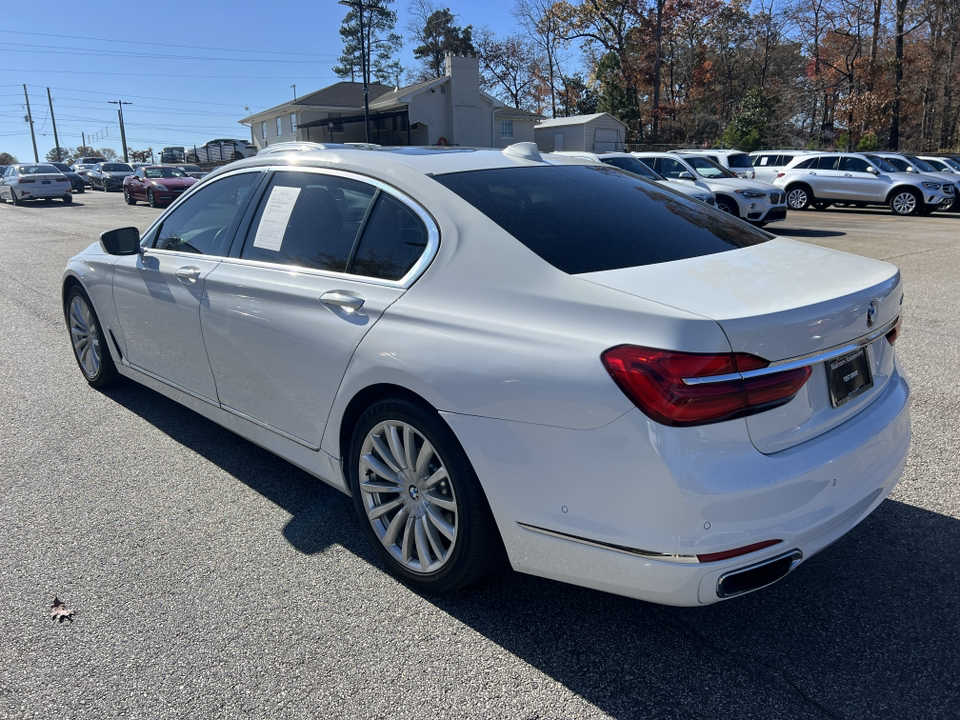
(824, 303)
(173, 182)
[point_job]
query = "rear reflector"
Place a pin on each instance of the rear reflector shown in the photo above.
(658, 382)
(895, 333)
(736, 552)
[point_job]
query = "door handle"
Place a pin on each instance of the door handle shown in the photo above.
(335, 298)
(811, 173)
(847, 175)
(188, 275)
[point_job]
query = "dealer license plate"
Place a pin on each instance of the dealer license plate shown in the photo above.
(848, 376)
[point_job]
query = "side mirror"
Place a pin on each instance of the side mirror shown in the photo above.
(122, 241)
(872, 169)
(685, 175)
(912, 169)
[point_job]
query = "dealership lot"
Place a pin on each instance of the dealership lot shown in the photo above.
(211, 579)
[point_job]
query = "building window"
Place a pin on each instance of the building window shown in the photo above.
(293, 122)
(280, 126)
(263, 130)
(506, 129)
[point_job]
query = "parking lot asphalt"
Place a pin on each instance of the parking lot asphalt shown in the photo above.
(210, 579)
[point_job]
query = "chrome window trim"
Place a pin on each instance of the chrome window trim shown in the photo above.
(801, 361)
(648, 554)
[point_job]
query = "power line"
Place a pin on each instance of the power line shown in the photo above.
(144, 97)
(60, 50)
(166, 45)
(168, 75)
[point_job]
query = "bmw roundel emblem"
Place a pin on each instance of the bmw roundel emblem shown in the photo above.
(871, 313)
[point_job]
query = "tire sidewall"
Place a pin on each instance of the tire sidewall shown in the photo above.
(107, 373)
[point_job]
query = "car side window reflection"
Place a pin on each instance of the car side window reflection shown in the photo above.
(309, 219)
(199, 224)
(393, 240)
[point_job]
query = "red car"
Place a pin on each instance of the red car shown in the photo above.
(156, 184)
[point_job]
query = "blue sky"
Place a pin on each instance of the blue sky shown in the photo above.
(189, 70)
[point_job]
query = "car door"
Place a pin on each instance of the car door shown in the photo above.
(325, 254)
(158, 292)
(857, 184)
(135, 184)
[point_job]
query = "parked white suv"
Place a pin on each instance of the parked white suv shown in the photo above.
(913, 164)
(821, 179)
(626, 161)
(736, 161)
(767, 163)
(756, 202)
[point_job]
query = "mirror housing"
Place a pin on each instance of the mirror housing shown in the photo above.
(872, 169)
(685, 175)
(122, 241)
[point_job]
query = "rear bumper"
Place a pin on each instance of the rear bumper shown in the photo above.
(595, 508)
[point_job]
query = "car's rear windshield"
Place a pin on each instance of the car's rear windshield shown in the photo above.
(739, 160)
(39, 170)
(587, 218)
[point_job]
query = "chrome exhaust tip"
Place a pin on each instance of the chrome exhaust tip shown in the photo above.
(754, 577)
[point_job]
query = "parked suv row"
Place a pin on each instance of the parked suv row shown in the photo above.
(821, 179)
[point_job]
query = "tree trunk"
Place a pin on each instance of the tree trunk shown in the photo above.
(901, 10)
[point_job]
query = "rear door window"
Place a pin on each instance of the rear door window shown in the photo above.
(828, 162)
(584, 219)
(739, 160)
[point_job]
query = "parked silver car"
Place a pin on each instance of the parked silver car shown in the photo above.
(767, 163)
(821, 179)
(33, 181)
(914, 164)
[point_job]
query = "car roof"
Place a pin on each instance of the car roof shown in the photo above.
(433, 160)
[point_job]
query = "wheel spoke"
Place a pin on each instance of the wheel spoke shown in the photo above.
(435, 542)
(439, 475)
(421, 536)
(439, 501)
(372, 486)
(378, 510)
(448, 530)
(373, 462)
(396, 447)
(407, 541)
(385, 455)
(423, 458)
(396, 525)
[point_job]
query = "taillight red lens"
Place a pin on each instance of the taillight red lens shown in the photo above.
(654, 381)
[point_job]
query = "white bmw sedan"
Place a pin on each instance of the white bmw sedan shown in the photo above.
(493, 353)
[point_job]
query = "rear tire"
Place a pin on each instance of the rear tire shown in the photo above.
(88, 340)
(130, 199)
(68, 199)
(799, 197)
(14, 199)
(905, 202)
(418, 498)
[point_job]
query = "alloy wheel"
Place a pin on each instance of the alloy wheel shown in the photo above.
(797, 199)
(84, 336)
(904, 203)
(407, 496)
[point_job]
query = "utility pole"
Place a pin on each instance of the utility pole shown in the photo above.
(56, 140)
(123, 134)
(83, 137)
(36, 156)
(358, 4)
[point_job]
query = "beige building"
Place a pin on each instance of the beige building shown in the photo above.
(451, 110)
(592, 133)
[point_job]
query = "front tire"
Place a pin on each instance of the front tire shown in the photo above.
(905, 202)
(88, 340)
(728, 206)
(418, 498)
(152, 199)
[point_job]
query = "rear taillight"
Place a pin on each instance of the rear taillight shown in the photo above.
(736, 552)
(676, 389)
(26, 181)
(895, 333)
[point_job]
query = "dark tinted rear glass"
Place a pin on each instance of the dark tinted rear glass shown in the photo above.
(739, 160)
(589, 218)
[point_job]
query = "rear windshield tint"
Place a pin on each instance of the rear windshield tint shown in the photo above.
(584, 218)
(739, 160)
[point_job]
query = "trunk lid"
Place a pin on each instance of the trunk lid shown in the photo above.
(784, 300)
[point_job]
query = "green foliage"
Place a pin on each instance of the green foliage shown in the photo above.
(380, 43)
(576, 97)
(615, 95)
(750, 127)
(438, 36)
(868, 143)
(51, 155)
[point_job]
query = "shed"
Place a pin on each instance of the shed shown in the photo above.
(599, 132)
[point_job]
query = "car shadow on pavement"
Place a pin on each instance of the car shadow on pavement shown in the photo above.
(867, 629)
(807, 232)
